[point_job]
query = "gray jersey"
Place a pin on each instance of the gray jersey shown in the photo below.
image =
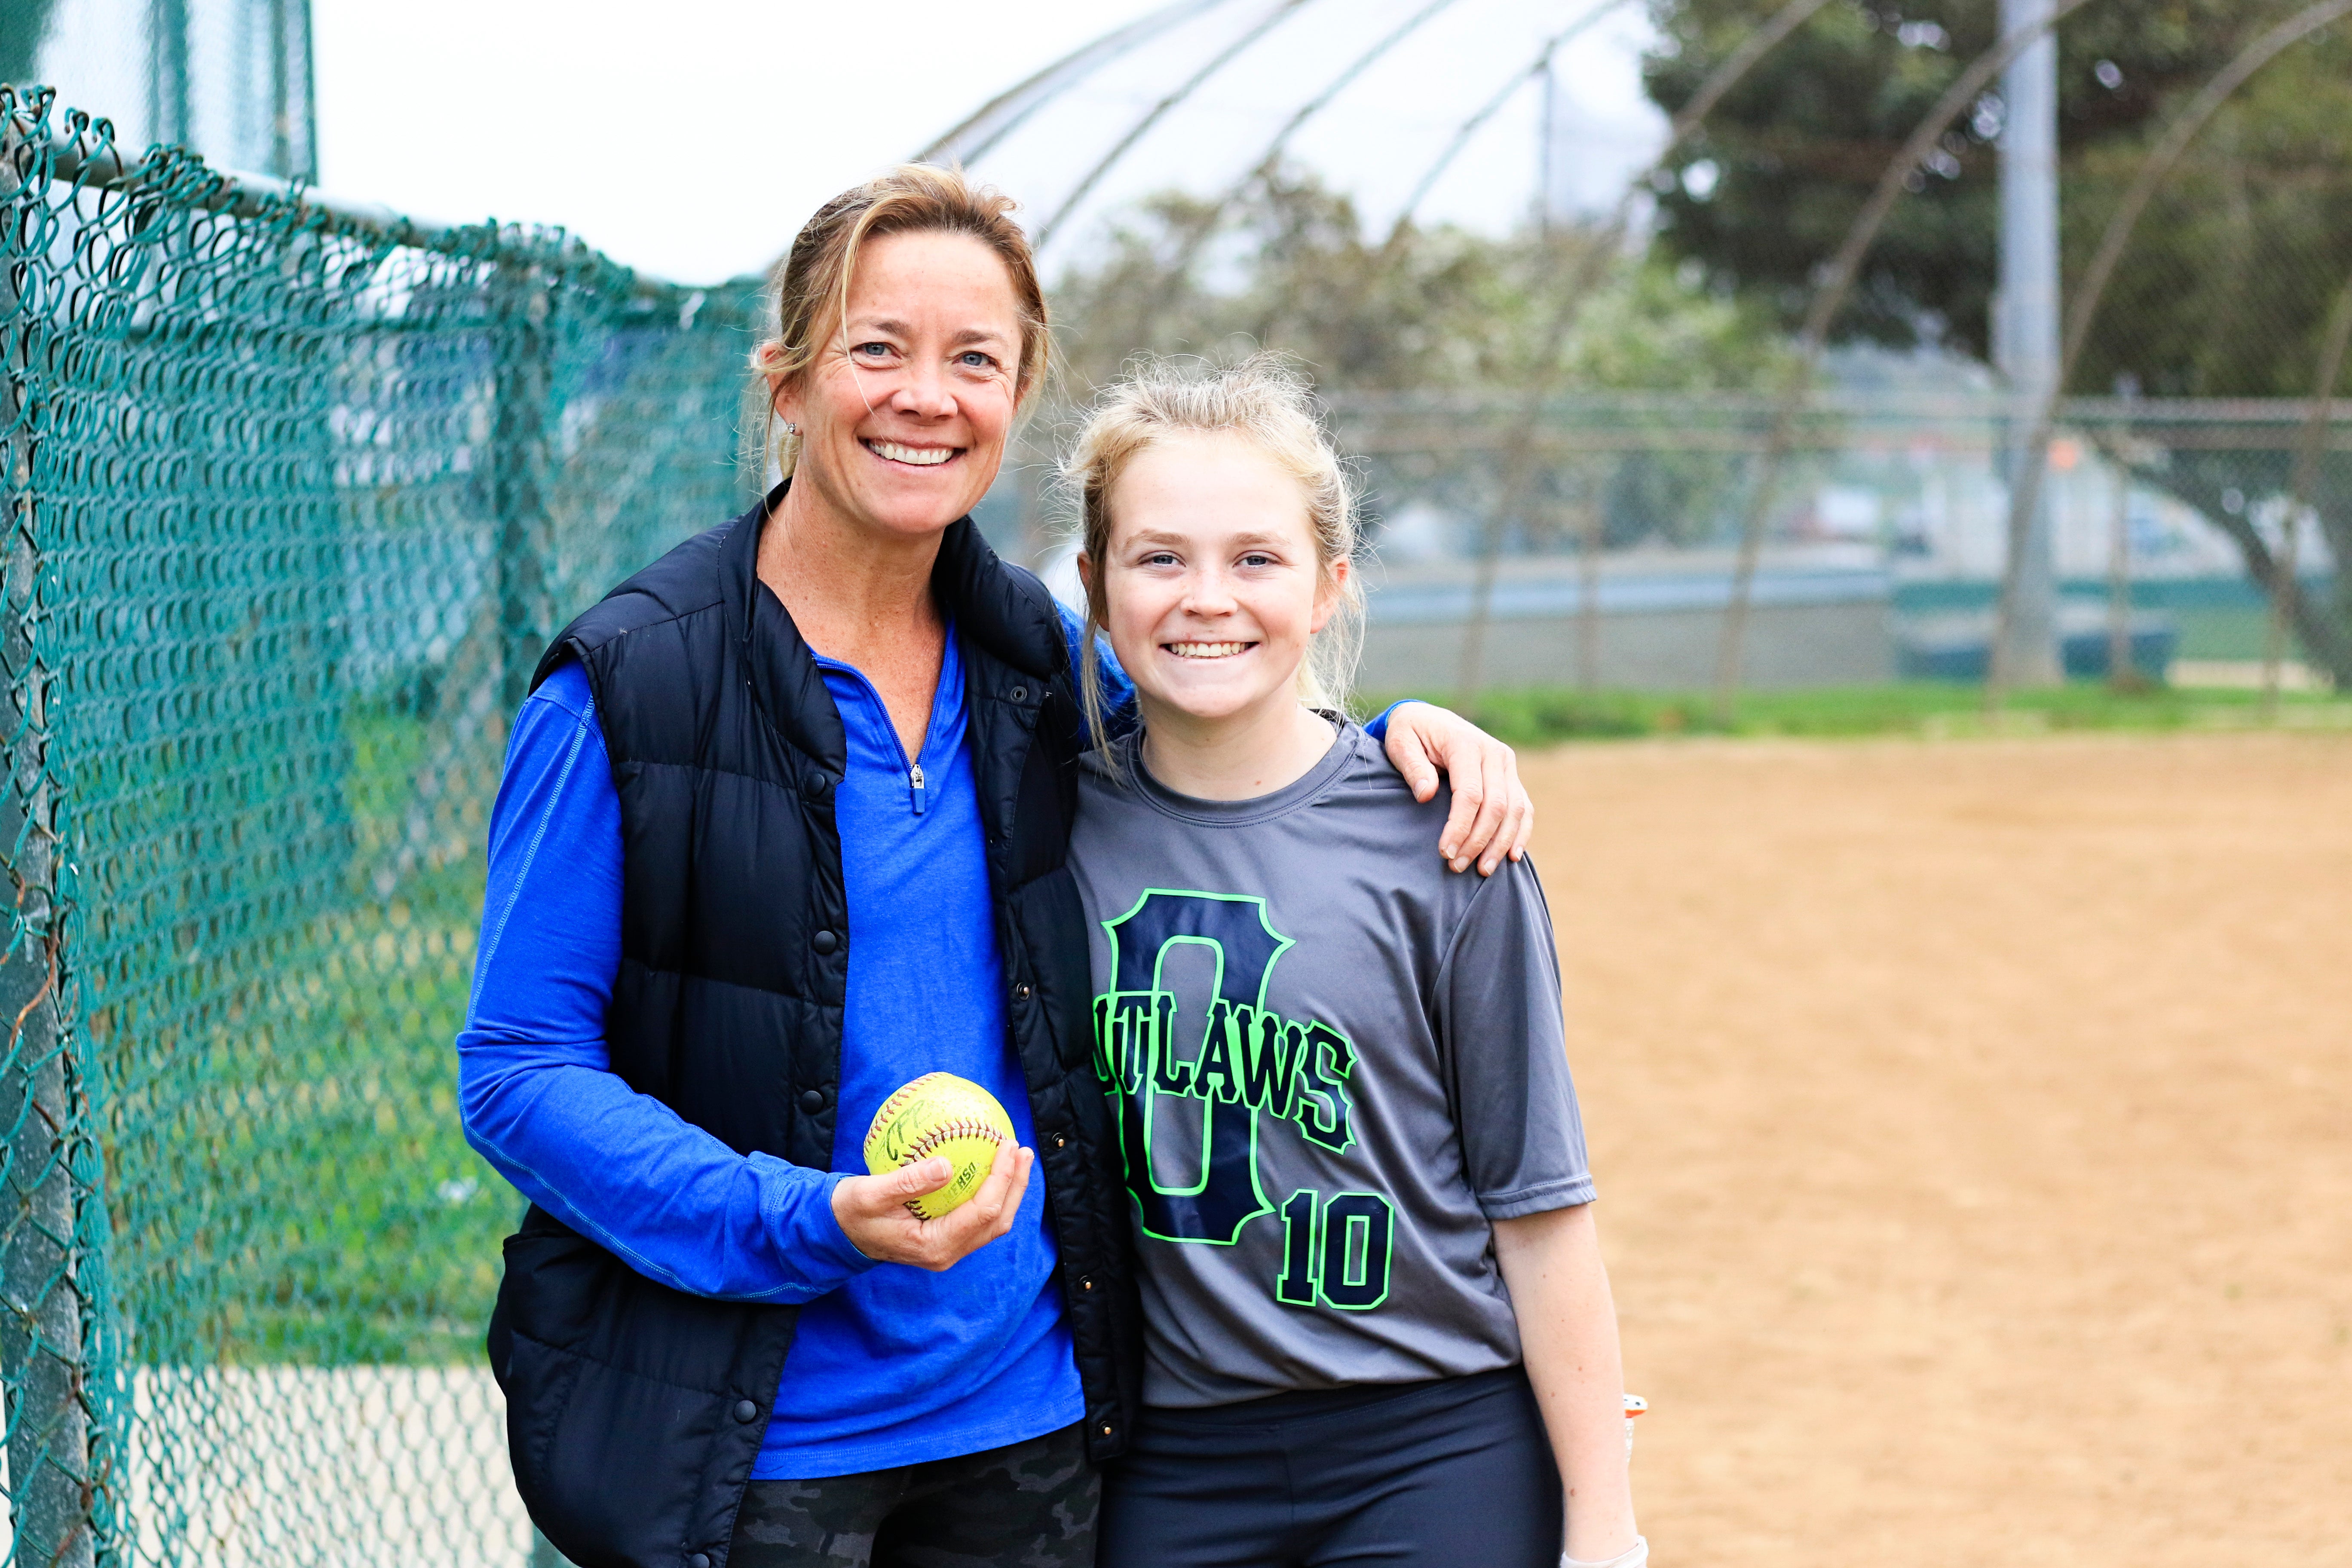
(1336, 1063)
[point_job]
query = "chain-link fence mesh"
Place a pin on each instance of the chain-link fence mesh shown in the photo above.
(293, 509)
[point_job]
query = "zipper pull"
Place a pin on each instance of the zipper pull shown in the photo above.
(915, 784)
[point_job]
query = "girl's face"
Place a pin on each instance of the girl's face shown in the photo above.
(904, 415)
(1209, 583)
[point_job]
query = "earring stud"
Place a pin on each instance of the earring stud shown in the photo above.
(791, 428)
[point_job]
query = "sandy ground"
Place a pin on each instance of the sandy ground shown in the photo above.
(1971, 1125)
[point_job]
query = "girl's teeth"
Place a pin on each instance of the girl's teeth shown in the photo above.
(923, 456)
(1205, 649)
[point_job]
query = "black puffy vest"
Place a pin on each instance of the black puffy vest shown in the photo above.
(634, 1411)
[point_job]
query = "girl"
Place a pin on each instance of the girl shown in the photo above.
(1370, 1280)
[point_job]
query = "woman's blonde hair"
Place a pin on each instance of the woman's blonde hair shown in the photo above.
(811, 283)
(1267, 400)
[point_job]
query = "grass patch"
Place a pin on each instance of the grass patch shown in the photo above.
(1929, 709)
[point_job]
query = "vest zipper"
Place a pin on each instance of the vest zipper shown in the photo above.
(915, 786)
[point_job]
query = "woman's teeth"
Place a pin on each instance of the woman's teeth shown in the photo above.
(1206, 650)
(922, 457)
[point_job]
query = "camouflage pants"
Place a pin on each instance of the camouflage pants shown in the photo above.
(1027, 1505)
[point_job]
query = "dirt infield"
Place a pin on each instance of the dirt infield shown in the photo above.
(1974, 1129)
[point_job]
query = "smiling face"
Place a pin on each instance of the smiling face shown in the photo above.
(1209, 588)
(904, 415)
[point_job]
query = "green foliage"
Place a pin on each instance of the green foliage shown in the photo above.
(1290, 267)
(1795, 150)
(2227, 285)
(1426, 314)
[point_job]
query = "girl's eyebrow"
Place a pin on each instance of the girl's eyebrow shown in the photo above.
(1249, 541)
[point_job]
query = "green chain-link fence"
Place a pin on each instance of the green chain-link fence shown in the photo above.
(295, 496)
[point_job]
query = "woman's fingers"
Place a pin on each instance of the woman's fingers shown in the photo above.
(1409, 755)
(1491, 814)
(1519, 814)
(874, 1215)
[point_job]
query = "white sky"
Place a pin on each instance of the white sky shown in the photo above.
(691, 139)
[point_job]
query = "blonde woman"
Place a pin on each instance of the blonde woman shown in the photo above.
(784, 825)
(1376, 1324)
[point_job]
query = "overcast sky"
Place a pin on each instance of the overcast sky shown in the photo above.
(690, 139)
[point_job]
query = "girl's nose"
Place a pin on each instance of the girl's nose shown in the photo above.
(1208, 594)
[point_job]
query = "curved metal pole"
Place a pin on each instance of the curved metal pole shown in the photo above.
(2160, 162)
(1008, 110)
(1519, 471)
(1160, 111)
(1199, 232)
(1493, 106)
(1828, 301)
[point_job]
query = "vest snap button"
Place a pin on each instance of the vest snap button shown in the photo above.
(701, 1561)
(1086, 1282)
(1019, 694)
(1021, 992)
(1057, 1142)
(811, 1101)
(745, 1410)
(824, 941)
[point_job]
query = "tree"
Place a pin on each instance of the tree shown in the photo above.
(2225, 292)
(1423, 311)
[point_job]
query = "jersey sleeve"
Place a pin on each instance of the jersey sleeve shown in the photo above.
(1504, 1051)
(536, 1090)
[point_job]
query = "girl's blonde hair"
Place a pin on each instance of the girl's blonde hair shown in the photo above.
(1267, 400)
(811, 283)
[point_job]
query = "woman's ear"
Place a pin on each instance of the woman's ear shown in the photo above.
(1331, 593)
(784, 400)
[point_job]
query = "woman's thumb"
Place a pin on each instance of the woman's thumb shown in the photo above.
(923, 1176)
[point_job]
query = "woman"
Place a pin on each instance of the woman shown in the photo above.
(783, 827)
(1371, 1284)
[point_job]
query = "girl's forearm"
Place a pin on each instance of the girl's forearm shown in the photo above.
(1568, 1334)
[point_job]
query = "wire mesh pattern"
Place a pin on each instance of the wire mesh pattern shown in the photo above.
(294, 505)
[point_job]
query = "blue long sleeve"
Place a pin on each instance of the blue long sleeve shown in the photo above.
(536, 1089)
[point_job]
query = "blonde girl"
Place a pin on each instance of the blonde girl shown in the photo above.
(1377, 1323)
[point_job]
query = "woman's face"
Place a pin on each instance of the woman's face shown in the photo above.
(1211, 591)
(904, 415)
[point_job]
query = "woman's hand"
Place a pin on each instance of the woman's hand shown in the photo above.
(873, 1212)
(1492, 813)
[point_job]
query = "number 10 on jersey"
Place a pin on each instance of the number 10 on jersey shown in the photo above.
(1336, 1254)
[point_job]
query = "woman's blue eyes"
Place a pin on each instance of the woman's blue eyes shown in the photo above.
(970, 359)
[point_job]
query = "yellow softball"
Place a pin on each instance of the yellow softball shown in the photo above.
(939, 1116)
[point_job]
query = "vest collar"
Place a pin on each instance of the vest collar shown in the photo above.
(1001, 612)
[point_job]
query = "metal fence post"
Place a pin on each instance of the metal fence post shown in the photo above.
(519, 305)
(43, 1109)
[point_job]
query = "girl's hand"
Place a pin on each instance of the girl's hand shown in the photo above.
(873, 1212)
(1491, 815)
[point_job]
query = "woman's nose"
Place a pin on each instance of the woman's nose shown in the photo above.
(923, 390)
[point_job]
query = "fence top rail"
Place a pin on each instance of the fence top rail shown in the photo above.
(1836, 403)
(32, 147)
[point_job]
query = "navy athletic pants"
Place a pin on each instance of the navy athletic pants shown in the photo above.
(1422, 1475)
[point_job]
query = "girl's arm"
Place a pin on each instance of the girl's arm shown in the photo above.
(1568, 1334)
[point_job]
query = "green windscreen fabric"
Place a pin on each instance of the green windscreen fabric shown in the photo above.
(292, 510)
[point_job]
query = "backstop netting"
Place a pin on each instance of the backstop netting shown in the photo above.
(295, 498)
